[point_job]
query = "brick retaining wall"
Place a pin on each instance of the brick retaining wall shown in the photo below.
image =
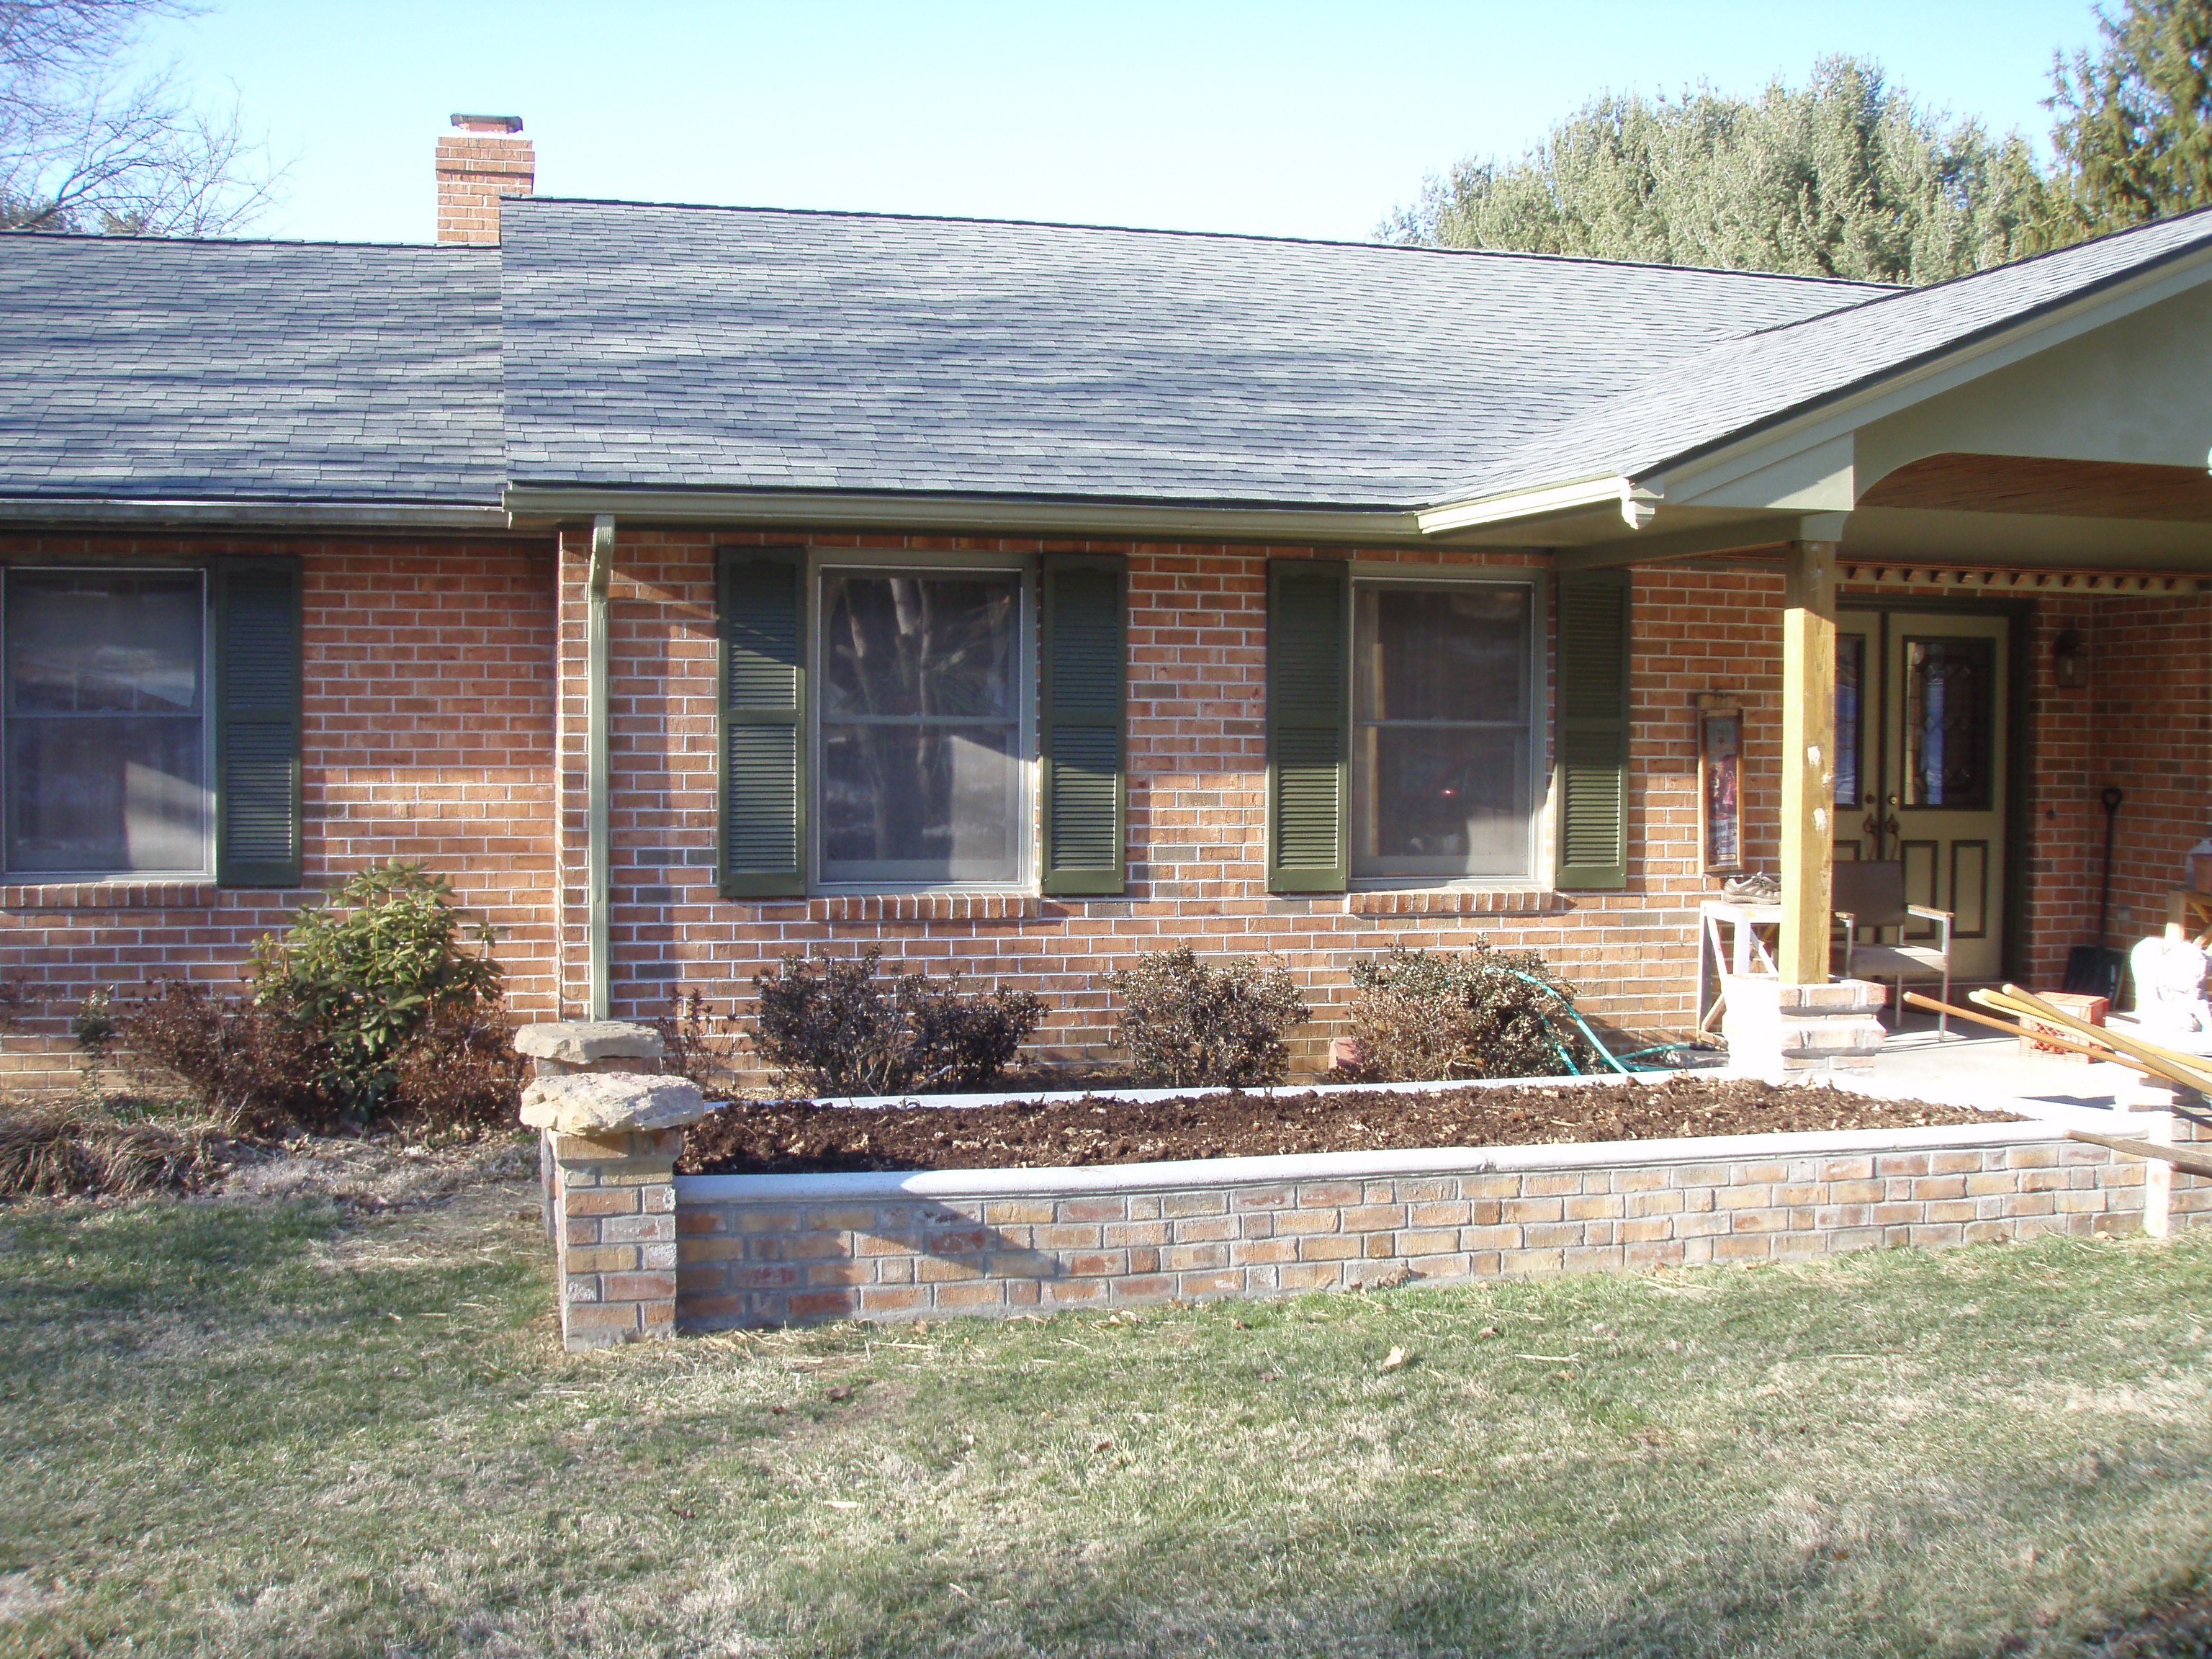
(771, 1249)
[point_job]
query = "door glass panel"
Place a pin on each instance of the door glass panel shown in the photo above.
(1851, 671)
(1949, 723)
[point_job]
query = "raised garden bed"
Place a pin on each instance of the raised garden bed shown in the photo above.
(807, 1137)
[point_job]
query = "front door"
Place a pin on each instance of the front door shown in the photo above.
(1921, 743)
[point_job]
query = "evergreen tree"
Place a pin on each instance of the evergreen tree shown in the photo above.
(1846, 177)
(2134, 122)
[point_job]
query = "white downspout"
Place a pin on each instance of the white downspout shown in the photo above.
(599, 852)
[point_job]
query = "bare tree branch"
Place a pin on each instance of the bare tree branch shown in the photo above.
(85, 147)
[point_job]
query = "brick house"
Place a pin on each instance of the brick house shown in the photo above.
(697, 585)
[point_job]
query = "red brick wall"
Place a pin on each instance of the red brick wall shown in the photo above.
(1196, 805)
(429, 678)
(2141, 721)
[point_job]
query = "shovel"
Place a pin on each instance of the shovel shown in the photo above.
(2094, 970)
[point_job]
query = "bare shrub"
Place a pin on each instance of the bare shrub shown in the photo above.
(699, 1044)
(1187, 1021)
(830, 1026)
(1424, 1016)
(245, 1065)
(457, 1072)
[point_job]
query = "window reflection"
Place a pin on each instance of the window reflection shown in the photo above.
(104, 741)
(1441, 731)
(920, 725)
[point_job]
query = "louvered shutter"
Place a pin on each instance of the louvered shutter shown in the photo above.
(1593, 730)
(257, 725)
(761, 602)
(1309, 699)
(1083, 656)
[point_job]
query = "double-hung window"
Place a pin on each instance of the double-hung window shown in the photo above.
(923, 771)
(150, 722)
(107, 739)
(1442, 737)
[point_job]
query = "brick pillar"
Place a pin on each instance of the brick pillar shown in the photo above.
(612, 1131)
(614, 1199)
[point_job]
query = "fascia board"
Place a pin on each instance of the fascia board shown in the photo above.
(1701, 477)
(249, 514)
(552, 504)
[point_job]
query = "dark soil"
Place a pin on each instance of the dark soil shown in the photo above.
(787, 1138)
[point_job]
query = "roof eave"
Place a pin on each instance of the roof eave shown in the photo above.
(245, 513)
(535, 505)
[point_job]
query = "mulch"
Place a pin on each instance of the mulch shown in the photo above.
(810, 1137)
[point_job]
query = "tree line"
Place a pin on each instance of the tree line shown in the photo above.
(1849, 175)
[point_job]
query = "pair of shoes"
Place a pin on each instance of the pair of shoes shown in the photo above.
(1756, 886)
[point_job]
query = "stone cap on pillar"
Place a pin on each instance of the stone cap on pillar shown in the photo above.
(580, 1042)
(600, 1103)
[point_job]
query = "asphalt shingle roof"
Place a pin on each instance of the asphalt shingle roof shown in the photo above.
(683, 347)
(1741, 384)
(142, 368)
(622, 344)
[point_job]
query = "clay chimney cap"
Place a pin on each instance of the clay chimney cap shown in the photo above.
(489, 122)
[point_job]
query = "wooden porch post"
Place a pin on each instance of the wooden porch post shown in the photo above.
(1808, 769)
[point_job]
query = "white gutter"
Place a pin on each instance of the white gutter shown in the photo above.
(598, 784)
(1638, 502)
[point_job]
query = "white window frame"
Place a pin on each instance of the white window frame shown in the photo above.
(205, 871)
(822, 562)
(1537, 703)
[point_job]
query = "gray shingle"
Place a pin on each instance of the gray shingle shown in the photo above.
(270, 371)
(1741, 385)
(677, 347)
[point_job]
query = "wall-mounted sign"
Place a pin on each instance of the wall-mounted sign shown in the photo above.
(1720, 784)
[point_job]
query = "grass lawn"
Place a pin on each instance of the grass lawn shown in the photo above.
(276, 1427)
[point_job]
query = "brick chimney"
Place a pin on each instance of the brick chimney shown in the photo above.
(480, 160)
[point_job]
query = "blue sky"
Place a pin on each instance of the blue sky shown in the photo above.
(1283, 118)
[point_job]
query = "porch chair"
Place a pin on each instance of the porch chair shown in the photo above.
(1870, 893)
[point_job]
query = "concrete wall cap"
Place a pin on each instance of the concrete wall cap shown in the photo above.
(580, 1042)
(598, 1103)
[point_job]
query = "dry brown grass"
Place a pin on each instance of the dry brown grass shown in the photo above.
(70, 1152)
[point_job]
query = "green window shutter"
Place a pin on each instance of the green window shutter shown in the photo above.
(1308, 694)
(257, 722)
(1593, 730)
(1083, 652)
(761, 616)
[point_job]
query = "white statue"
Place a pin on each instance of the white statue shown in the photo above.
(2169, 975)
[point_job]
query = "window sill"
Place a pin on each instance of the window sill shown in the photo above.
(922, 906)
(1457, 901)
(176, 893)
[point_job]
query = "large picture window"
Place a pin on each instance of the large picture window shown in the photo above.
(1442, 736)
(106, 723)
(923, 777)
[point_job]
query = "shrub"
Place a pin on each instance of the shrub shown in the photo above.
(1422, 1015)
(370, 1008)
(827, 1025)
(366, 970)
(1188, 1023)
